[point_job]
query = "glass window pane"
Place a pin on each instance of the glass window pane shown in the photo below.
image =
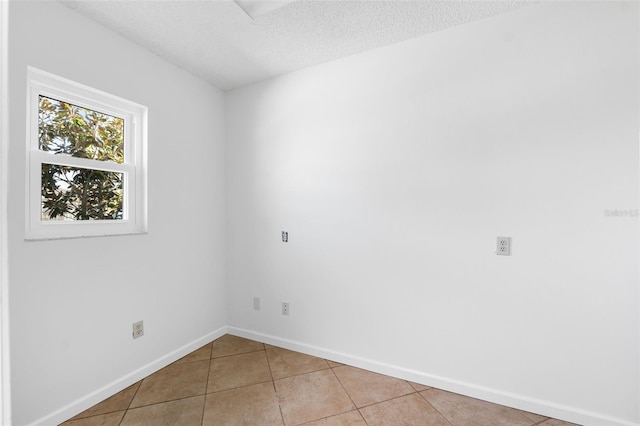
(64, 128)
(72, 193)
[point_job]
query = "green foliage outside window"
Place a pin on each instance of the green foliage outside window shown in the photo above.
(74, 193)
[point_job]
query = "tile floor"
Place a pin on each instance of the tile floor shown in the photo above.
(234, 381)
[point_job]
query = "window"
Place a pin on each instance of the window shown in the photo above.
(86, 161)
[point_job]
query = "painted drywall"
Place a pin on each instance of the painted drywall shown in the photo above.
(395, 170)
(73, 301)
(5, 394)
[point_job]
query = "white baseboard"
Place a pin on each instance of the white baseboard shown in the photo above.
(116, 386)
(533, 405)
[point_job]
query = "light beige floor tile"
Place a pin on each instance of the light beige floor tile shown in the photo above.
(119, 401)
(464, 411)
(173, 382)
(232, 345)
(311, 396)
(352, 418)
(199, 354)
(238, 370)
(334, 364)
(183, 412)
(249, 405)
(409, 410)
(366, 388)
(111, 419)
(285, 363)
(418, 386)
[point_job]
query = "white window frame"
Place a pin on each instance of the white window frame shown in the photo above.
(133, 167)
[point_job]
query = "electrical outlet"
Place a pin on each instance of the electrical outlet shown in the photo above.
(256, 303)
(138, 329)
(285, 308)
(285, 237)
(503, 246)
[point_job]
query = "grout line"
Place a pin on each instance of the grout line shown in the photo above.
(181, 361)
(268, 364)
(387, 400)
(108, 412)
(377, 402)
(275, 391)
(432, 406)
(542, 422)
(300, 374)
(273, 383)
(139, 383)
(168, 400)
(345, 390)
(94, 415)
(206, 388)
(236, 387)
(363, 418)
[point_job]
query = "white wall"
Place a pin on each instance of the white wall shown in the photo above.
(5, 390)
(394, 171)
(73, 301)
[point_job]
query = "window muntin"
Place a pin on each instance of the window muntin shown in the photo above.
(86, 161)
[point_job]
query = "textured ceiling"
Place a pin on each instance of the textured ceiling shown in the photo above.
(218, 41)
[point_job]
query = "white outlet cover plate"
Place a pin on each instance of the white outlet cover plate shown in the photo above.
(138, 329)
(503, 246)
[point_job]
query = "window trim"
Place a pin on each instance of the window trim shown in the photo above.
(134, 165)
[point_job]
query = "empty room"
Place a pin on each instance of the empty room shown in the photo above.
(377, 212)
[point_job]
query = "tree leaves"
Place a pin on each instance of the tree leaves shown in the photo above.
(74, 193)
